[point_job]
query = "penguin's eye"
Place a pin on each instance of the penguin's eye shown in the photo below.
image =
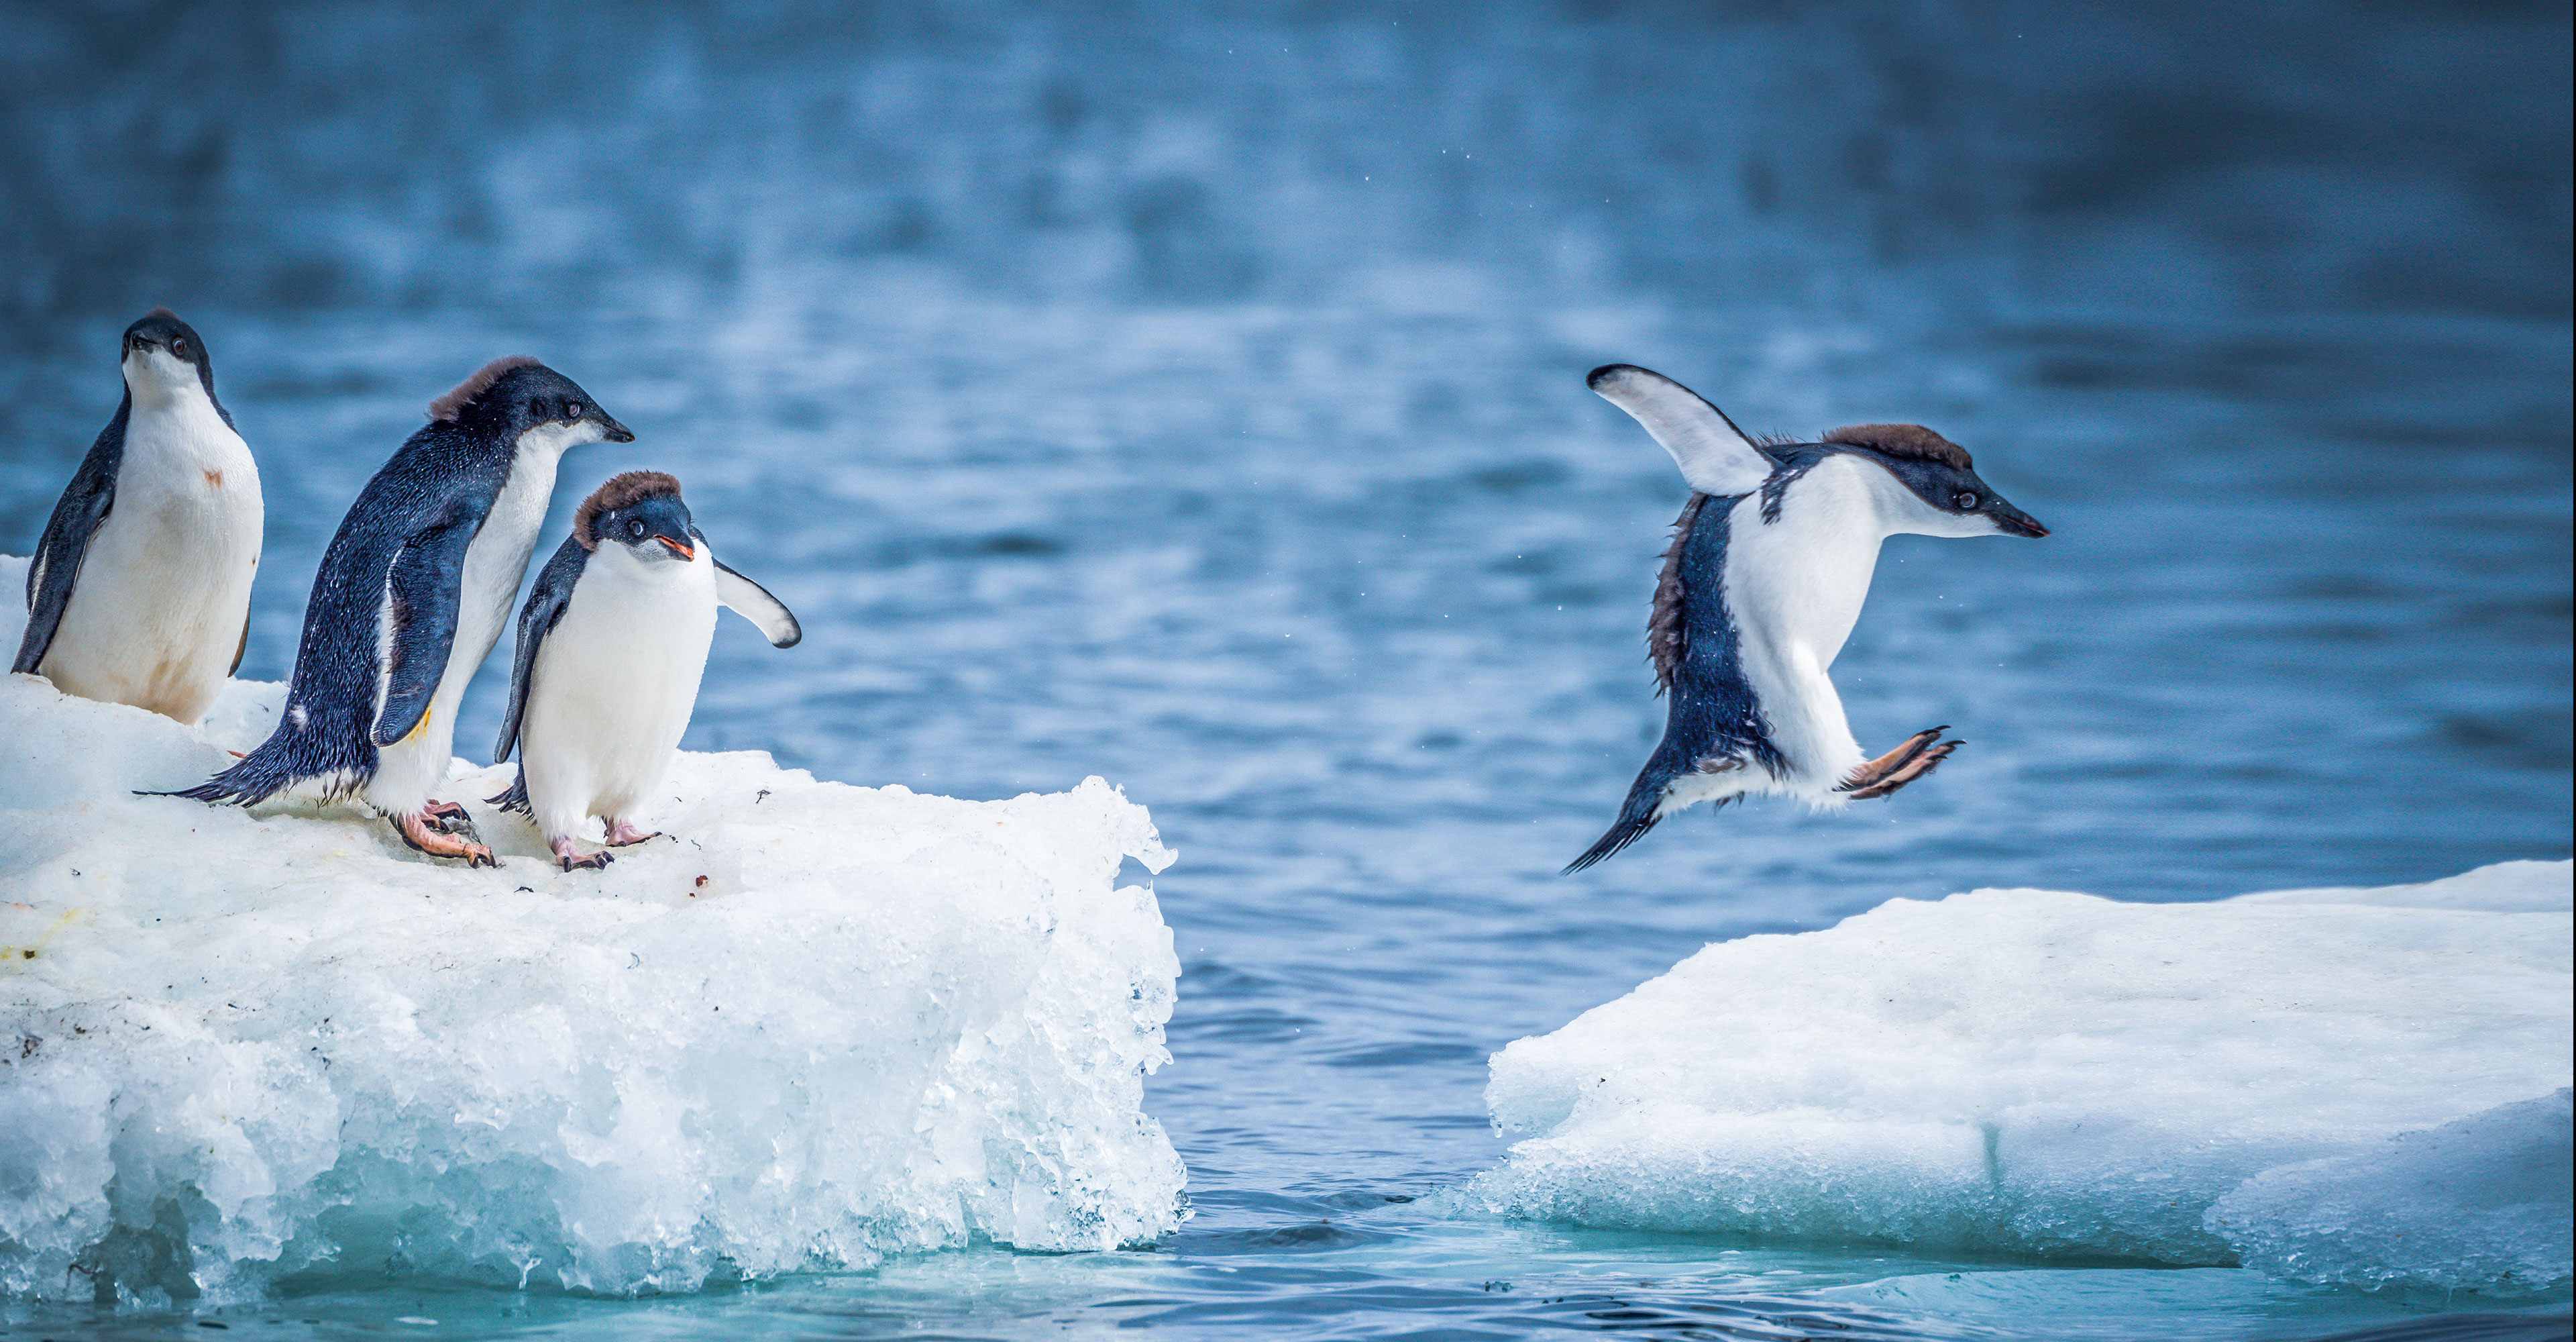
(1963, 501)
(179, 346)
(635, 530)
(572, 410)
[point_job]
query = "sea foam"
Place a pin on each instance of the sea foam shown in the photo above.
(820, 1024)
(2360, 1086)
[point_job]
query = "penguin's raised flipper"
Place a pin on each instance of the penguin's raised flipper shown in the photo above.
(84, 504)
(754, 603)
(544, 609)
(422, 589)
(1715, 456)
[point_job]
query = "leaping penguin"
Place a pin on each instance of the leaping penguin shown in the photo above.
(612, 643)
(140, 590)
(1770, 562)
(410, 598)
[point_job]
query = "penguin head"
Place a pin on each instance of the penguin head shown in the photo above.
(640, 514)
(163, 358)
(521, 401)
(1943, 494)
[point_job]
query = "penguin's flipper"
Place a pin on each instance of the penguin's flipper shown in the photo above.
(545, 608)
(84, 504)
(1715, 456)
(422, 588)
(754, 603)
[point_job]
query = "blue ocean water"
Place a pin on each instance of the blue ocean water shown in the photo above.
(1194, 398)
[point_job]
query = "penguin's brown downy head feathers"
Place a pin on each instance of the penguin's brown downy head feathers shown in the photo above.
(1903, 440)
(621, 491)
(452, 405)
(160, 312)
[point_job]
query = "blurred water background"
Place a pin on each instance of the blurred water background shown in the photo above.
(1192, 395)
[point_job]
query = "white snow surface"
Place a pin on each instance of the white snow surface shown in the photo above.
(2356, 1086)
(821, 1024)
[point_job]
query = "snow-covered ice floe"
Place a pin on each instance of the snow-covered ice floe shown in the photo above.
(822, 1024)
(2346, 1086)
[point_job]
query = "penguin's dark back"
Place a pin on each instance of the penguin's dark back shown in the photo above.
(437, 472)
(1713, 709)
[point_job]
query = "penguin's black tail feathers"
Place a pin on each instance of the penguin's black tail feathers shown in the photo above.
(515, 798)
(1635, 817)
(1628, 830)
(260, 775)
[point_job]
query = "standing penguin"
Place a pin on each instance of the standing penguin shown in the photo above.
(1769, 564)
(410, 598)
(140, 591)
(612, 643)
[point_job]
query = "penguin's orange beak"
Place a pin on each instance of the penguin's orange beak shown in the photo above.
(681, 548)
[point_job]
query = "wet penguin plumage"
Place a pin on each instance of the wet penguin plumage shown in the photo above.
(139, 592)
(612, 643)
(412, 594)
(1770, 563)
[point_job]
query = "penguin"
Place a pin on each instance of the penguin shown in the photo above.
(139, 592)
(611, 645)
(410, 597)
(1769, 564)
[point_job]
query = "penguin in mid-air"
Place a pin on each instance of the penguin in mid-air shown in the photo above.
(612, 643)
(1769, 564)
(411, 596)
(139, 592)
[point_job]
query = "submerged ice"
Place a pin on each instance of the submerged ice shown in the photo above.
(2352, 1086)
(822, 1024)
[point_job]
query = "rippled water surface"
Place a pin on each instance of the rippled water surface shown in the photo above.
(1314, 542)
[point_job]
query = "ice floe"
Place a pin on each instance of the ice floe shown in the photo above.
(2359, 1086)
(822, 1024)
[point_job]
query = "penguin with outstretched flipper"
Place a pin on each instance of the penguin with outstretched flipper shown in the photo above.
(139, 592)
(411, 596)
(612, 643)
(1769, 565)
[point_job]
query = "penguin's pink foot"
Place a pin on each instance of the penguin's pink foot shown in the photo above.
(572, 858)
(435, 834)
(1898, 767)
(449, 817)
(621, 834)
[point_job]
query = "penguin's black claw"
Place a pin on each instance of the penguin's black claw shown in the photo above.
(1918, 759)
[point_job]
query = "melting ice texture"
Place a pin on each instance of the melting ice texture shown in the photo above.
(823, 1024)
(2348, 1086)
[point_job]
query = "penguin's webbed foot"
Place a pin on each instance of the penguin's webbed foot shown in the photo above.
(1919, 755)
(620, 834)
(449, 817)
(572, 858)
(433, 831)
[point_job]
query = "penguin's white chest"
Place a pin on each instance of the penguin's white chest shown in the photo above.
(494, 563)
(158, 610)
(495, 560)
(613, 686)
(1795, 587)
